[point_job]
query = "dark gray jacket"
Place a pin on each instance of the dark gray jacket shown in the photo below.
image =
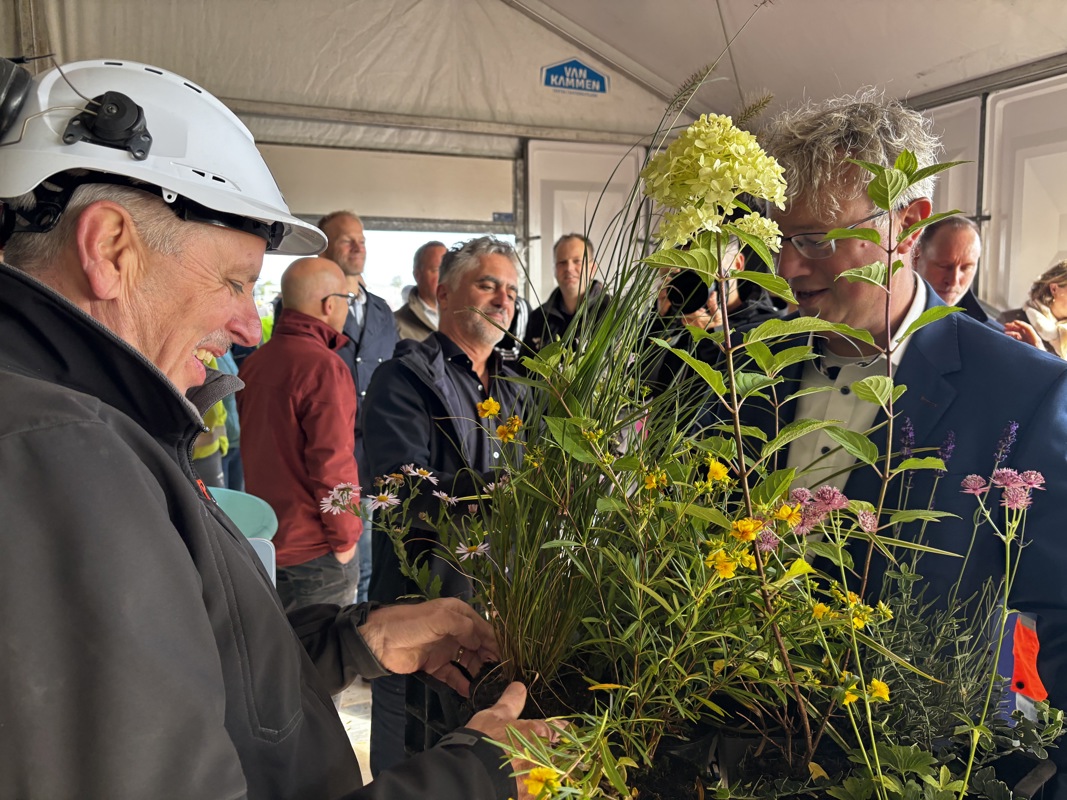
(145, 651)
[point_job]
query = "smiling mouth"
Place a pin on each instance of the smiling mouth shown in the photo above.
(803, 295)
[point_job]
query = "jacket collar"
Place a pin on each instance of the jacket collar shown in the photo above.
(296, 323)
(45, 336)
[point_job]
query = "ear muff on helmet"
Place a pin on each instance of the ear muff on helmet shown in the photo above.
(14, 86)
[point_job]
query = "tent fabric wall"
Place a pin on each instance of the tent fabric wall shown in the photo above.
(464, 60)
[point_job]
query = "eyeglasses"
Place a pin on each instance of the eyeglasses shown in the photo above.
(815, 245)
(351, 297)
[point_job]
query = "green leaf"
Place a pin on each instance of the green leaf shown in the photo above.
(835, 553)
(752, 383)
(930, 220)
(887, 187)
(807, 391)
(932, 314)
(654, 595)
(780, 328)
(929, 462)
(877, 389)
(906, 162)
(607, 503)
(773, 486)
(698, 259)
(757, 245)
(867, 234)
(933, 169)
(874, 169)
(611, 769)
(788, 357)
(761, 354)
(906, 759)
(913, 514)
(712, 377)
(873, 274)
(855, 444)
(749, 431)
(775, 284)
(706, 513)
(568, 436)
(793, 431)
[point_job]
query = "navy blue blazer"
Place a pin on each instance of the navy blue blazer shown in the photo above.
(965, 377)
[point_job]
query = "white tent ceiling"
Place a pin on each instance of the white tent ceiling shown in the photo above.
(465, 75)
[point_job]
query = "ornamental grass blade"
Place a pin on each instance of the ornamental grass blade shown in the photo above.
(886, 653)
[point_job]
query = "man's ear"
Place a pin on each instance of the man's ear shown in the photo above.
(442, 294)
(915, 211)
(109, 248)
(739, 261)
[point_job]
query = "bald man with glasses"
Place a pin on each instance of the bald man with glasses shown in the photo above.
(298, 414)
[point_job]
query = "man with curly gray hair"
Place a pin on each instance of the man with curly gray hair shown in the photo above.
(946, 366)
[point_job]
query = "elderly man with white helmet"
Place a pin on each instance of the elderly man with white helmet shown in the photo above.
(146, 654)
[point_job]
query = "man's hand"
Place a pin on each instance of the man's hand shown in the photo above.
(495, 722)
(344, 556)
(431, 636)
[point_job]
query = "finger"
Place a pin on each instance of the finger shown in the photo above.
(511, 702)
(450, 674)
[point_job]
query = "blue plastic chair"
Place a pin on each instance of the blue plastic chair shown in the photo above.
(252, 515)
(265, 550)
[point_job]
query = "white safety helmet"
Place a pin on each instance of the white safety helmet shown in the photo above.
(181, 141)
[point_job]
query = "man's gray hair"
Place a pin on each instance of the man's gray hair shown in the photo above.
(160, 229)
(953, 223)
(466, 256)
(813, 141)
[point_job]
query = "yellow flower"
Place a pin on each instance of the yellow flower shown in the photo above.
(850, 697)
(488, 408)
(542, 782)
(747, 560)
(878, 690)
(514, 424)
(860, 617)
(505, 434)
(820, 610)
(723, 564)
(885, 611)
(654, 480)
(790, 515)
(717, 471)
(853, 598)
(746, 529)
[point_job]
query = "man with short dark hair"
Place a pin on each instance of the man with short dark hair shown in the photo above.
(421, 410)
(575, 287)
(946, 257)
(372, 337)
(299, 413)
(417, 318)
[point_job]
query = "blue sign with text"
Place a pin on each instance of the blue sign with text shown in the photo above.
(574, 76)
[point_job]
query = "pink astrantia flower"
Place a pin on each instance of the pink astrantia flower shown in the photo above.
(465, 551)
(409, 469)
(1006, 478)
(868, 521)
(800, 495)
(1032, 479)
(444, 498)
(810, 517)
(973, 484)
(830, 499)
(767, 541)
(383, 500)
(1016, 498)
(425, 474)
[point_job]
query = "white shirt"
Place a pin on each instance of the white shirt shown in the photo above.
(838, 402)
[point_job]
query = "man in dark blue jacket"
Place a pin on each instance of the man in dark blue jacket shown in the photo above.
(421, 410)
(372, 337)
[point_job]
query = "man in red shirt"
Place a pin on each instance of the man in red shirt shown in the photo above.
(298, 411)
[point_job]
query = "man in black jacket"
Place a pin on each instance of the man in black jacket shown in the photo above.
(146, 653)
(575, 288)
(372, 337)
(421, 410)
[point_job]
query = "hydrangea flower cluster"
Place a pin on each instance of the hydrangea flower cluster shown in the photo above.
(701, 173)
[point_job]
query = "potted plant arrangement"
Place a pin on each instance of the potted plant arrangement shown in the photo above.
(704, 627)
